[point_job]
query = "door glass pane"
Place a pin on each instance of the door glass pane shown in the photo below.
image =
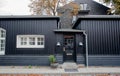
(69, 43)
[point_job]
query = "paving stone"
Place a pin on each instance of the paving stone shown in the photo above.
(102, 75)
(69, 65)
(59, 74)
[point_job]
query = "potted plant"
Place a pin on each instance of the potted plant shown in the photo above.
(53, 62)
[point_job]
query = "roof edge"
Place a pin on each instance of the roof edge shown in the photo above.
(27, 16)
(68, 30)
(99, 16)
(90, 17)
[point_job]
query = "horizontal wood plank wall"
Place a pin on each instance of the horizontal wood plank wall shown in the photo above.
(80, 59)
(103, 36)
(104, 60)
(24, 60)
(59, 58)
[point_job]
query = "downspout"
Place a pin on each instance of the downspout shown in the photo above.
(86, 41)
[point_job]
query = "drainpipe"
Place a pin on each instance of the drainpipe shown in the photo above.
(86, 48)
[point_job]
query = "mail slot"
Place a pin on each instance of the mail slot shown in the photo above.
(69, 53)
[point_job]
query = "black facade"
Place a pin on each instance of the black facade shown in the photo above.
(94, 40)
(29, 26)
(47, 26)
(103, 38)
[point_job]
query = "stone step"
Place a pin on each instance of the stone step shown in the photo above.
(81, 65)
(69, 65)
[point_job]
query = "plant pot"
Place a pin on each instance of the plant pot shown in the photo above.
(54, 65)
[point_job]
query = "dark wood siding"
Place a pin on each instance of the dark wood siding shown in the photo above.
(80, 59)
(59, 58)
(80, 50)
(59, 38)
(104, 60)
(24, 60)
(29, 26)
(80, 38)
(103, 36)
(94, 7)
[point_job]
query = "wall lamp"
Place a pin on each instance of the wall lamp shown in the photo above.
(80, 44)
(58, 44)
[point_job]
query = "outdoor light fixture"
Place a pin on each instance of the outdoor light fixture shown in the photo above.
(58, 44)
(80, 44)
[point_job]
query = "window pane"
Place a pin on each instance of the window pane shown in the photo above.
(2, 45)
(41, 39)
(23, 41)
(2, 49)
(83, 6)
(2, 40)
(42, 43)
(32, 41)
(38, 43)
(2, 33)
(38, 39)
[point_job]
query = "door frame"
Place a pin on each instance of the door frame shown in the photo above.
(74, 50)
(74, 31)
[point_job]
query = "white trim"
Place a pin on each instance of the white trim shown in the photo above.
(2, 38)
(18, 42)
(2, 29)
(2, 52)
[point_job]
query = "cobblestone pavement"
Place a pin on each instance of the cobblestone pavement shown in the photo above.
(59, 74)
(47, 71)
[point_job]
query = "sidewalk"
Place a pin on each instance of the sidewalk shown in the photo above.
(47, 70)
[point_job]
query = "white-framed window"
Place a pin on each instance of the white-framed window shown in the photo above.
(30, 41)
(83, 6)
(2, 41)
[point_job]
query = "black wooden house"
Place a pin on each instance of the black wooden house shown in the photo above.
(29, 40)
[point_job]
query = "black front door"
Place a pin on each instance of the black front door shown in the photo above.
(68, 48)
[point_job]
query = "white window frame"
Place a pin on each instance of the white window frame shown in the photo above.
(18, 42)
(4, 43)
(83, 6)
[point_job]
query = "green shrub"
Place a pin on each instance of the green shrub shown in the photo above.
(52, 59)
(29, 66)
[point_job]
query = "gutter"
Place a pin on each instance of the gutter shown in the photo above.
(86, 41)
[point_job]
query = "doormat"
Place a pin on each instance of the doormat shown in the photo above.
(71, 70)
